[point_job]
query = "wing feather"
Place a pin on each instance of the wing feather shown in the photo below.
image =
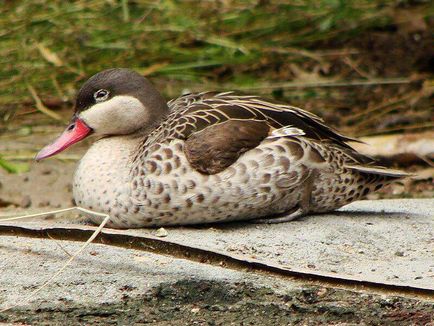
(203, 119)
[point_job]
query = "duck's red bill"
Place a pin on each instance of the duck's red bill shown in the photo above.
(75, 132)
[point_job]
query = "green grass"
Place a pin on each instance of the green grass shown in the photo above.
(53, 46)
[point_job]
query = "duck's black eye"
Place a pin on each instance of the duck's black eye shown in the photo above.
(101, 95)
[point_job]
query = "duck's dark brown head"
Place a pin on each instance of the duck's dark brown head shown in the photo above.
(113, 102)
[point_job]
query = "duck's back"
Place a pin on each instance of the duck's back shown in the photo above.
(221, 157)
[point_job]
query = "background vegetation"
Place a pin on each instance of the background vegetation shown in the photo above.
(356, 63)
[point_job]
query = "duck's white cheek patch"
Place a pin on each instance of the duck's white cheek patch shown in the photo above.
(119, 115)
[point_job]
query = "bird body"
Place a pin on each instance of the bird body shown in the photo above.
(207, 157)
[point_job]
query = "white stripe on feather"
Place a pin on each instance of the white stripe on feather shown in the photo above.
(285, 132)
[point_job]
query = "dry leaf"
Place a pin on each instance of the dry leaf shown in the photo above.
(305, 76)
(410, 21)
(49, 55)
(152, 68)
(419, 144)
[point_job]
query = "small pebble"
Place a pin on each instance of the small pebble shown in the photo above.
(26, 202)
(46, 172)
(161, 232)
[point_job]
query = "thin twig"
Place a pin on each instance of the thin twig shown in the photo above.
(380, 107)
(58, 245)
(389, 81)
(41, 107)
(356, 68)
(394, 129)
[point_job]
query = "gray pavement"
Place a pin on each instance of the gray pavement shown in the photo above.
(390, 241)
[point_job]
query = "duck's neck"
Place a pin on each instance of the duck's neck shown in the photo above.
(151, 126)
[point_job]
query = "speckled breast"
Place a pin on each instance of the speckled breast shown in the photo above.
(102, 179)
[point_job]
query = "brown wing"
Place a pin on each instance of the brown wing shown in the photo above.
(216, 147)
(201, 110)
(194, 112)
(219, 127)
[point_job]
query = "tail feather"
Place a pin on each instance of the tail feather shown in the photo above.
(373, 178)
(380, 171)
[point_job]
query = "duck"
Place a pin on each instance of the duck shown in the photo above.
(206, 157)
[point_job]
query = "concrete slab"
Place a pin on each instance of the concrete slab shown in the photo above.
(390, 241)
(108, 285)
(385, 241)
(102, 275)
